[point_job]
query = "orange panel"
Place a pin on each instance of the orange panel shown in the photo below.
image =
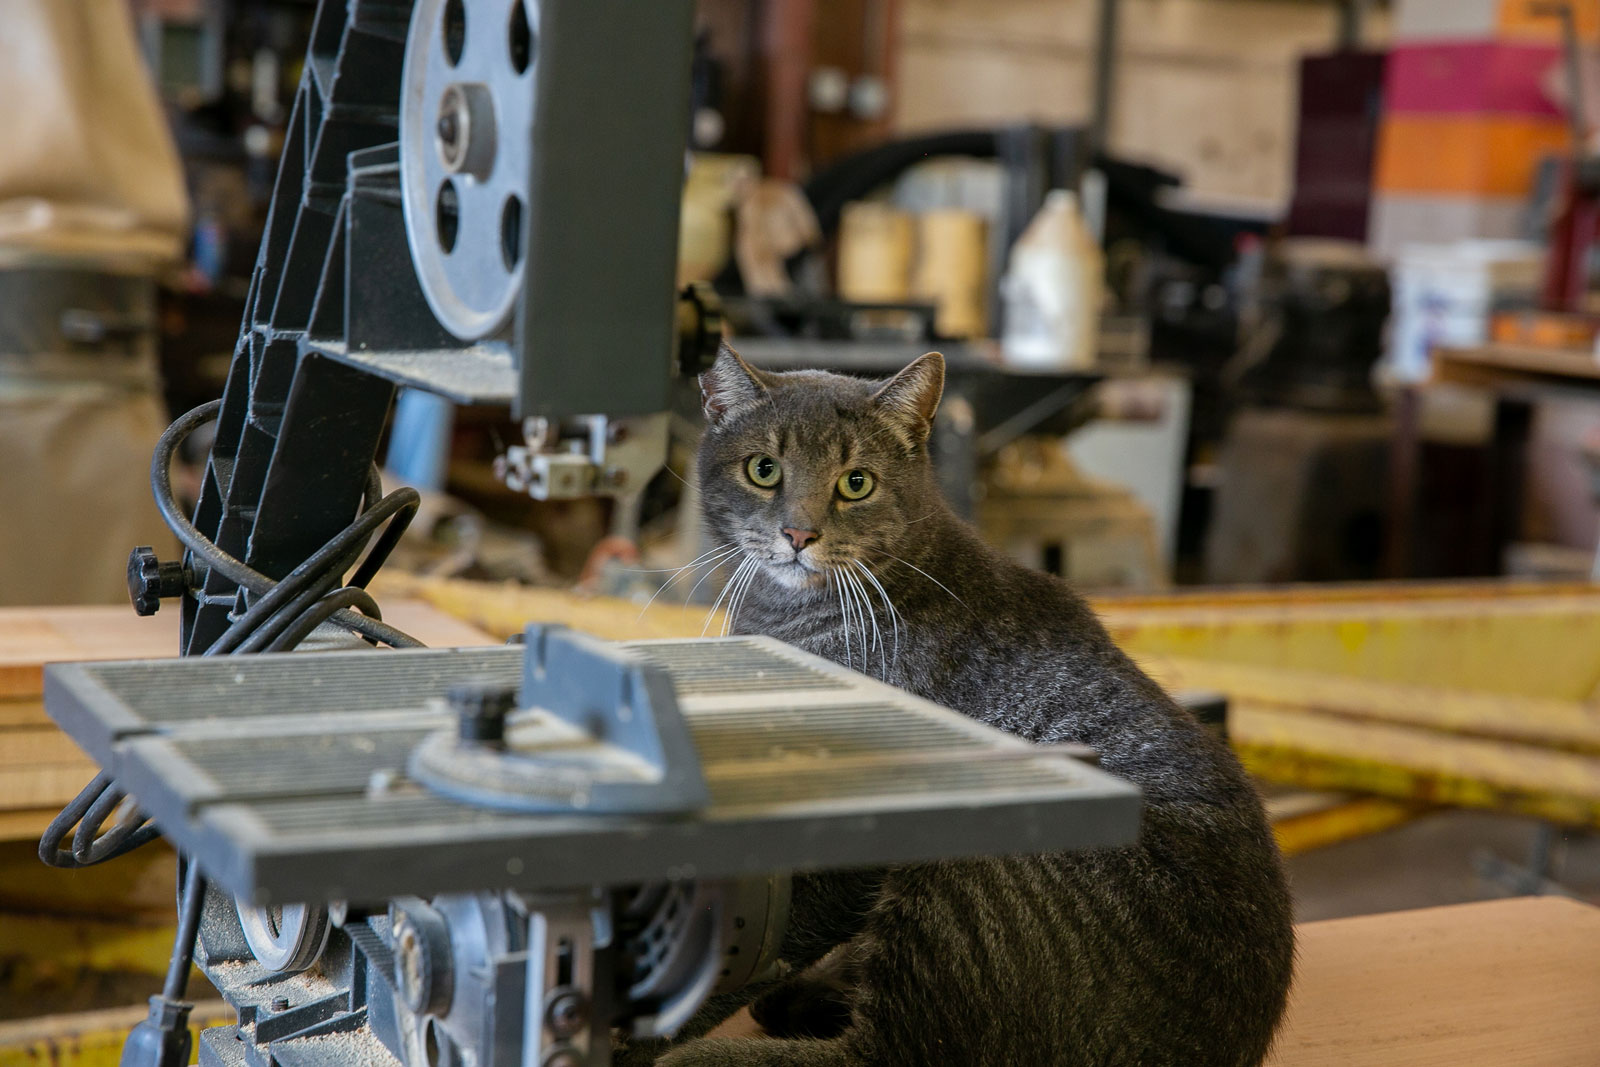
(1531, 19)
(1480, 155)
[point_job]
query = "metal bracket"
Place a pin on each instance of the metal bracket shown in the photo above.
(599, 731)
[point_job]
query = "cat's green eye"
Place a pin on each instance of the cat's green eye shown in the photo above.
(855, 485)
(764, 471)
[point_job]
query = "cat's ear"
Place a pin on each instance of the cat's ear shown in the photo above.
(730, 386)
(909, 399)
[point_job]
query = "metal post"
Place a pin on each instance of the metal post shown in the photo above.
(1105, 69)
(567, 1012)
(1352, 19)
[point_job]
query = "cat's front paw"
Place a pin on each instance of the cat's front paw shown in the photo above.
(636, 1053)
(803, 1008)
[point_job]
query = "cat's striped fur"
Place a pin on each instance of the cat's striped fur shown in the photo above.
(1174, 951)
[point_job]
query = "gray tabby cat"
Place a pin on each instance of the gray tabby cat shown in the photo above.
(1177, 950)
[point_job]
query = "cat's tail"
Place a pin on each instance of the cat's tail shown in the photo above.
(763, 1052)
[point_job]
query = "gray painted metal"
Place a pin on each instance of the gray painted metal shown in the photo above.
(601, 733)
(483, 373)
(594, 327)
(284, 775)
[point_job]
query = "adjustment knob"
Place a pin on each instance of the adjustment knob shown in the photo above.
(481, 712)
(150, 581)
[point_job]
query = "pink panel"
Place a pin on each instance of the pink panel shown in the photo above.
(1475, 76)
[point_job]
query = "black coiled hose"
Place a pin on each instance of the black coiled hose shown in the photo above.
(280, 615)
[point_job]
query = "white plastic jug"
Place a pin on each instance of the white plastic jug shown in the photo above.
(1052, 290)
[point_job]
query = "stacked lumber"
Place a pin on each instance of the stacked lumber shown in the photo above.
(1432, 744)
(40, 767)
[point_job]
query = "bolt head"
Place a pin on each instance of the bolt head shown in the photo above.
(150, 580)
(481, 712)
(566, 1014)
(144, 580)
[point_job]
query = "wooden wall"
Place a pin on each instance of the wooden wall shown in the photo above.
(1205, 87)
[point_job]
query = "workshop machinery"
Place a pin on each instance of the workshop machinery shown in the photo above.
(519, 854)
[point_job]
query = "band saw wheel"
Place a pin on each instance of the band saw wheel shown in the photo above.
(466, 123)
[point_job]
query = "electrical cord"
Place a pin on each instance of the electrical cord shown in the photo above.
(320, 612)
(194, 901)
(402, 503)
(50, 850)
(162, 1037)
(86, 847)
(280, 616)
(322, 571)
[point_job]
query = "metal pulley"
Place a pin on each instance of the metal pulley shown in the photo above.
(466, 136)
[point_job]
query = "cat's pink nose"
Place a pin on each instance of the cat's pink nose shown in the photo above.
(800, 538)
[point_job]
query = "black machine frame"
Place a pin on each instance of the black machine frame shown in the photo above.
(335, 317)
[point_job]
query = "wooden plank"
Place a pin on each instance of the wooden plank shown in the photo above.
(1479, 639)
(39, 765)
(1319, 751)
(431, 626)
(33, 746)
(507, 608)
(1468, 365)
(1506, 983)
(1562, 724)
(90, 1038)
(1351, 817)
(25, 824)
(23, 712)
(32, 787)
(32, 637)
(1480, 593)
(1520, 639)
(57, 945)
(140, 887)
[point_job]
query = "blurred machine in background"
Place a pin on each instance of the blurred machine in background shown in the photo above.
(92, 210)
(1304, 463)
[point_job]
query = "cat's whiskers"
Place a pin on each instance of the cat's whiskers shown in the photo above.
(930, 578)
(847, 603)
(744, 568)
(720, 553)
(888, 603)
(737, 601)
(709, 572)
(668, 468)
(734, 584)
(865, 601)
(861, 616)
(844, 616)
